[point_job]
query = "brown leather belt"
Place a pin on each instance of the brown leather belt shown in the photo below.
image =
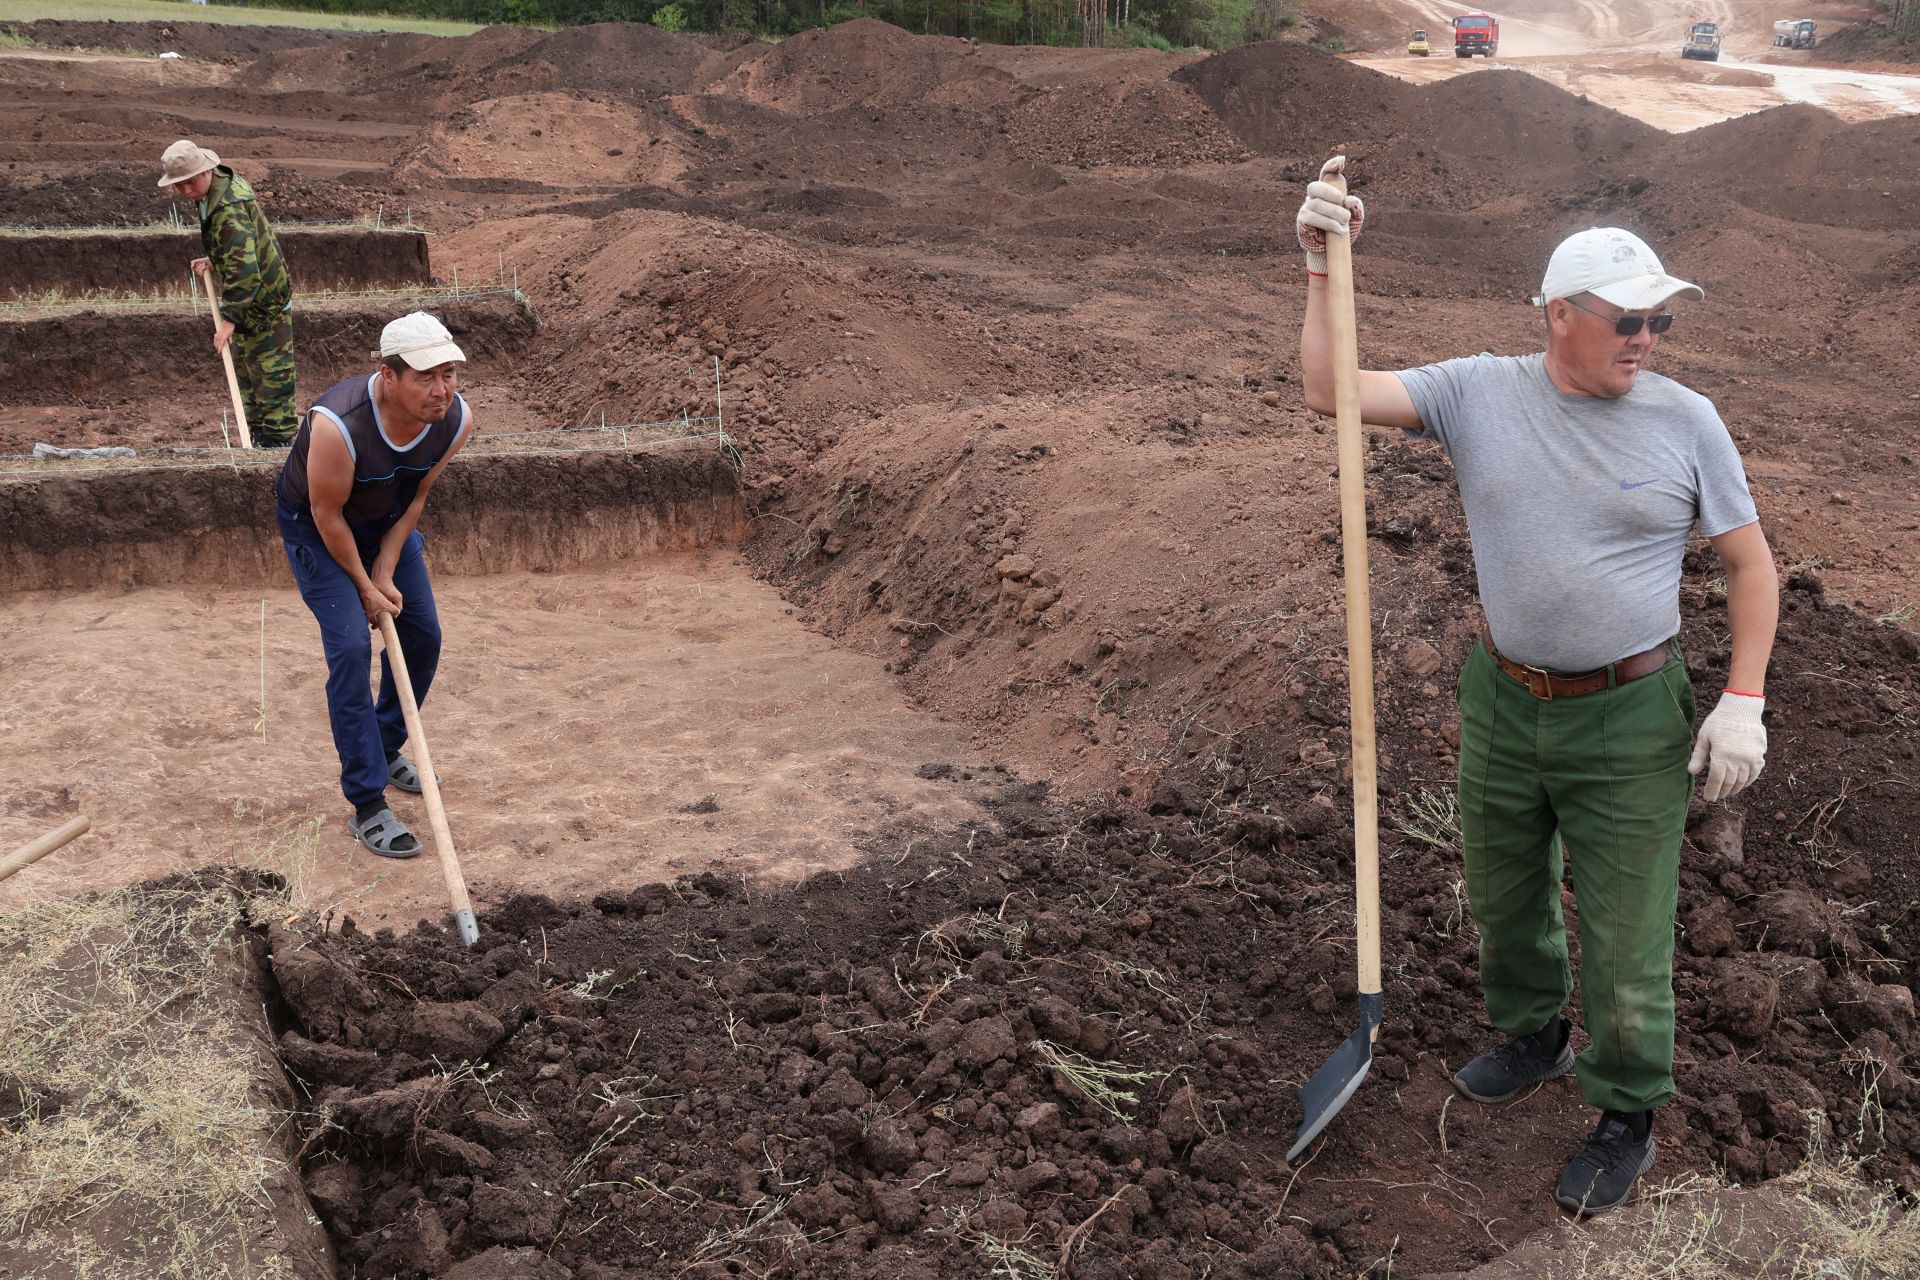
(1548, 685)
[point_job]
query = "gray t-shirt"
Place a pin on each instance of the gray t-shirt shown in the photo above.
(1579, 507)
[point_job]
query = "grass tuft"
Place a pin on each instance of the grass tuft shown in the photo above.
(137, 1114)
(1100, 1083)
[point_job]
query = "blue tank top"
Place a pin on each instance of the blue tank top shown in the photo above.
(386, 476)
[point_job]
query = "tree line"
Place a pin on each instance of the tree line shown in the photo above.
(1210, 24)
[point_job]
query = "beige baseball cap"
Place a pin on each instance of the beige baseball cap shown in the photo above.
(421, 340)
(185, 159)
(1615, 266)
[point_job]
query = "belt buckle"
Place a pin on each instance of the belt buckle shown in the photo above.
(1543, 688)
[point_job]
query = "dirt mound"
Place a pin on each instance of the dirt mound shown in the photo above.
(862, 63)
(1285, 100)
(402, 65)
(555, 138)
(634, 59)
(206, 41)
(1144, 123)
(1873, 40)
(1821, 169)
(1529, 131)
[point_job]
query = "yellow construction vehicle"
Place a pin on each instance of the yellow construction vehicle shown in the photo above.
(1418, 45)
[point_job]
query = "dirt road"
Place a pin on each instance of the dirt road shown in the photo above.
(1626, 56)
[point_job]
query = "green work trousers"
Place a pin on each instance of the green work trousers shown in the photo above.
(1607, 773)
(263, 362)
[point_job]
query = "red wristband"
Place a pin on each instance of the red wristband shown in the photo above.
(1742, 693)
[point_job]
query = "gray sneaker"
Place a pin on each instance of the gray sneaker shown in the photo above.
(1518, 1065)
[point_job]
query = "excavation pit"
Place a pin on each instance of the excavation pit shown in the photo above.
(618, 699)
(69, 261)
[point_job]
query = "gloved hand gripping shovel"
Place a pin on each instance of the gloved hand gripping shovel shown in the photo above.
(429, 786)
(1322, 1097)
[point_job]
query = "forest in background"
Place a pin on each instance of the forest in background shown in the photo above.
(1206, 24)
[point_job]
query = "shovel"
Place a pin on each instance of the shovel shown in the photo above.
(1322, 1097)
(430, 786)
(226, 356)
(34, 850)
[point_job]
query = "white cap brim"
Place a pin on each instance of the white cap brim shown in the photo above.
(1644, 292)
(434, 356)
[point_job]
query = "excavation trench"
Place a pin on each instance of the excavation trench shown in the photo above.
(109, 260)
(146, 375)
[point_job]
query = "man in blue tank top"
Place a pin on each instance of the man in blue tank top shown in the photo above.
(350, 495)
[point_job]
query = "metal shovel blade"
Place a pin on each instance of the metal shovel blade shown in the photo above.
(1337, 1079)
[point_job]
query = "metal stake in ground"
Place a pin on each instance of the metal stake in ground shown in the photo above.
(31, 852)
(226, 357)
(429, 786)
(1322, 1097)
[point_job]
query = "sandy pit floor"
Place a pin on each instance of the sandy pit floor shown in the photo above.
(593, 729)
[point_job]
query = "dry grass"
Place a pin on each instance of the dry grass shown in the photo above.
(1824, 1221)
(172, 11)
(138, 1150)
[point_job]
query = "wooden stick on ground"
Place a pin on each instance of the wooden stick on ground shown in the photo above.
(31, 852)
(430, 786)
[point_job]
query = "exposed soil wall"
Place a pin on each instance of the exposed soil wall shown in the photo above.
(139, 262)
(108, 357)
(208, 41)
(215, 526)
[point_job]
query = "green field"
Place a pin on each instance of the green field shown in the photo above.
(176, 11)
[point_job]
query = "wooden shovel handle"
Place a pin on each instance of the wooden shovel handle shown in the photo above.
(34, 850)
(1353, 552)
(226, 358)
(429, 784)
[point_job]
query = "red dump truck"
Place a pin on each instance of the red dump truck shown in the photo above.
(1476, 33)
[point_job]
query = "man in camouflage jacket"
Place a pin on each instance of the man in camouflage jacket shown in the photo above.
(249, 279)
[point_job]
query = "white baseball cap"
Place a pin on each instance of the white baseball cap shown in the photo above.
(1615, 266)
(421, 340)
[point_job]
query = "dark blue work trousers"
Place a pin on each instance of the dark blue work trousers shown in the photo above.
(365, 733)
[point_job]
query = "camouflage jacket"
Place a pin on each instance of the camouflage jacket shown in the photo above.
(254, 284)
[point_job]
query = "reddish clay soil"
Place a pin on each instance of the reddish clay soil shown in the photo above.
(1009, 343)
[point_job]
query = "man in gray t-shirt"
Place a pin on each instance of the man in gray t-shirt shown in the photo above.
(1583, 477)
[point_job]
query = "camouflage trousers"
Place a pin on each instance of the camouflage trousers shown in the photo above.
(263, 359)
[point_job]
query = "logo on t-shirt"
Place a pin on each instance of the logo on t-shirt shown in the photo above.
(1626, 485)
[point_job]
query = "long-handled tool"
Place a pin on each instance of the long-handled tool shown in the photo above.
(430, 786)
(34, 850)
(226, 356)
(1322, 1097)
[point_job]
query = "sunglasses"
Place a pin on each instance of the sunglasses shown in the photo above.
(1628, 326)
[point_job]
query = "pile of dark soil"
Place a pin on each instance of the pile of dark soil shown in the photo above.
(873, 1074)
(1873, 40)
(207, 41)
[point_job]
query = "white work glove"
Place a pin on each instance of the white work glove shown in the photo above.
(1326, 210)
(1732, 745)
